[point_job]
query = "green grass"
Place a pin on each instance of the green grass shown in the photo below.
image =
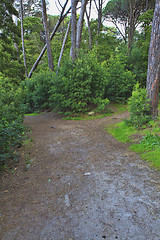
(148, 148)
(32, 114)
(121, 131)
(153, 157)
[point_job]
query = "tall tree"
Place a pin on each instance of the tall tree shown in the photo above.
(73, 29)
(117, 12)
(22, 38)
(153, 75)
(32, 8)
(99, 10)
(64, 43)
(88, 14)
(80, 23)
(126, 14)
(61, 18)
(48, 42)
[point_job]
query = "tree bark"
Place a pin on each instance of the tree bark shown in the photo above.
(22, 38)
(89, 31)
(46, 29)
(153, 75)
(100, 2)
(51, 37)
(132, 6)
(64, 43)
(73, 54)
(80, 23)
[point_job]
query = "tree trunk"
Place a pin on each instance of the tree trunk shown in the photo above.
(64, 43)
(100, 2)
(89, 31)
(51, 37)
(132, 6)
(153, 75)
(80, 23)
(73, 54)
(46, 29)
(22, 38)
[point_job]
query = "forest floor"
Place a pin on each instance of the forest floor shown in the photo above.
(82, 184)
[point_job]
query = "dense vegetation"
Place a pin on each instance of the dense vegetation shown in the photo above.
(106, 70)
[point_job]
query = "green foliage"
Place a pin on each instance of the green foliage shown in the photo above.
(149, 149)
(146, 20)
(138, 107)
(7, 27)
(138, 58)
(10, 65)
(36, 91)
(78, 85)
(34, 39)
(119, 81)
(102, 105)
(138, 62)
(107, 43)
(151, 141)
(117, 9)
(12, 130)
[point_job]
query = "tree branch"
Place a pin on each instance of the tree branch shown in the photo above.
(51, 37)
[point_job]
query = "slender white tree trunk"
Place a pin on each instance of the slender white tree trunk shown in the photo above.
(62, 16)
(64, 43)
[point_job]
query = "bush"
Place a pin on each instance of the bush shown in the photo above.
(12, 130)
(36, 91)
(138, 107)
(78, 85)
(119, 81)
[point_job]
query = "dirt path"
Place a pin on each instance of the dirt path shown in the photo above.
(82, 185)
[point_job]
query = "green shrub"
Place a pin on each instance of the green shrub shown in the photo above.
(36, 91)
(12, 130)
(78, 85)
(102, 105)
(119, 81)
(138, 107)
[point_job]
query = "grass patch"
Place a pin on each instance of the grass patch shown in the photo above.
(148, 147)
(32, 114)
(121, 132)
(153, 157)
(138, 148)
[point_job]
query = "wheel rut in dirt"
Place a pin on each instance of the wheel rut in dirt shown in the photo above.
(82, 185)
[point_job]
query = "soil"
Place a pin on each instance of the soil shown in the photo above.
(81, 185)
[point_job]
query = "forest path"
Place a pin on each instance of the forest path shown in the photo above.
(82, 185)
